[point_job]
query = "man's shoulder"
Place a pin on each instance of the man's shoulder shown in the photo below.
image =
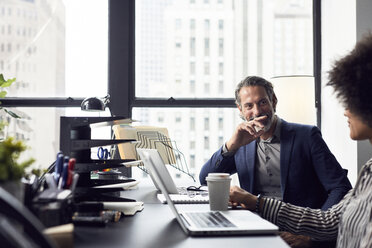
(297, 127)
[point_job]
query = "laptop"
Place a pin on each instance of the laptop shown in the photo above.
(206, 223)
(178, 195)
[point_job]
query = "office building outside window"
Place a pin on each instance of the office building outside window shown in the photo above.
(220, 47)
(220, 24)
(220, 123)
(192, 24)
(192, 86)
(220, 141)
(206, 143)
(228, 41)
(37, 40)
(53, 52)
(206, 68)
(192, 123)
(206, 123)
(220, 87)
(220, 68)
(206, 88)
(192, 145)
(192, 68)
(192, 46)
(206, 47)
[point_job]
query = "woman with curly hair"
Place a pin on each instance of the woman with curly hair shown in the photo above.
(350, 221)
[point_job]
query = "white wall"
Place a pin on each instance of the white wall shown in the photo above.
(338, 38)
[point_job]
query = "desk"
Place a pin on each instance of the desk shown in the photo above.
(156, 227)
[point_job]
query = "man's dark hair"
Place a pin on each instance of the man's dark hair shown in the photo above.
(255, 81)
(351, 78)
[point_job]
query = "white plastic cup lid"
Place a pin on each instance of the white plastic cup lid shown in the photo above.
(218, 176)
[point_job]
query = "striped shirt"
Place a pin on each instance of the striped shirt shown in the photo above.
(350, 221)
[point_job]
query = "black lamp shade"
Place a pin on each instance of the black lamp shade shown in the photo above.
(92, 104)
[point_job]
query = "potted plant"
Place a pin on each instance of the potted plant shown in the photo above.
(11, 171)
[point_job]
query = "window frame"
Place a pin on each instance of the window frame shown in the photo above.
(121, 71)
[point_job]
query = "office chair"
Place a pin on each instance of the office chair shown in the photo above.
(10, 236)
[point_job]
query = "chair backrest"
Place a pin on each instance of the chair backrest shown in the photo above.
(14, 210)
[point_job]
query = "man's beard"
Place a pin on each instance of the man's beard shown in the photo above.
(269, 121)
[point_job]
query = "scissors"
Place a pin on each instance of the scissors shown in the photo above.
(103, 153)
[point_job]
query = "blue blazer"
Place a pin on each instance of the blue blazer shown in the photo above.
(310, 174)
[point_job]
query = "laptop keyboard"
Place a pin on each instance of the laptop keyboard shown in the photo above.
(209, 219)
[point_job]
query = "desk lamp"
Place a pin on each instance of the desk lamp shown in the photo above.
(95, 104)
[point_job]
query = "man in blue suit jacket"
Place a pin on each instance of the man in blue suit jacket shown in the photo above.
(275, 158)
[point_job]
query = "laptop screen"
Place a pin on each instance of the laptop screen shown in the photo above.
(149, 155)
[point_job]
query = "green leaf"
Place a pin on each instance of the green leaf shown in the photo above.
(12, 114)
(8, 82)
(2, 80)
(3, 93)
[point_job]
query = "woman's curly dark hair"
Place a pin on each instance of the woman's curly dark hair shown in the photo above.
(351, 78)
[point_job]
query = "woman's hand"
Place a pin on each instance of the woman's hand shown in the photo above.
(240, 197)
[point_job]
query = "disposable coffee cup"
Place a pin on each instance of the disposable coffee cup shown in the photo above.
(218, 190)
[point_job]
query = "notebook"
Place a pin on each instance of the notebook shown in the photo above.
(203, 223)
(177, 195)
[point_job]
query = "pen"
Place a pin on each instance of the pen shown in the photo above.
(74, 182)
(64, 176)
(58, 167)
(70, 172)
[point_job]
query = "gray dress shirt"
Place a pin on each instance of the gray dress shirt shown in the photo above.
(267, 167)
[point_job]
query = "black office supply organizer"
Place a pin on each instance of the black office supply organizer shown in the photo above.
(76, 142)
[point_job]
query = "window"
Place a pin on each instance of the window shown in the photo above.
(192, 24)
(220, 68)
(178, 118)
(206, 123)
(206, 47)
(220, 47)
(192, 68)
(192, 123)
(206, 142)
(192, 161)
(206, 68)
(192, 47)
(206, 25)
(178, 44)
(220, 87)
(178, 24)
(207, 88)
(220, 141)
(146, 63)
(51, 56)
(219, 55)
(192, 145)
(220, 123)
(64, 63)
(160, 117)
(192, 86)
(220, 25)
